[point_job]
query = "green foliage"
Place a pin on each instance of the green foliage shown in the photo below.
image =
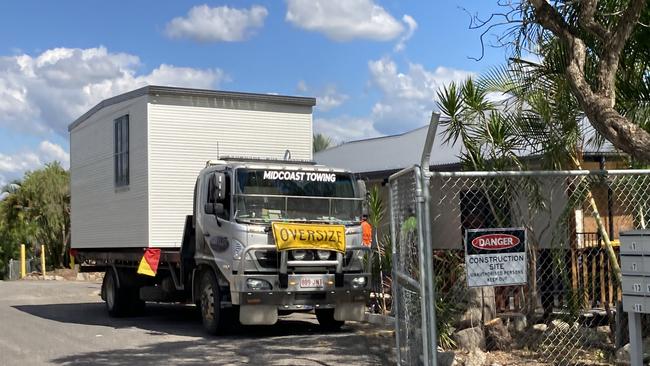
(321, 142)
(36, 211)
(376, 208)
(449, 273)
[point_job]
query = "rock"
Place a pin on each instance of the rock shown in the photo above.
(447, 358)
(623, 353)
(80, 277)
(604, 329)
(519, 323)
(540, 327)
(560, 325)
(476, 358)
(470, 339)
(592, 337)
(497, 337)
(480, 305)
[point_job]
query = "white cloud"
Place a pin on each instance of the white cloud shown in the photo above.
(218, 24)
(15, 165)
(345, 20)
(50, 151)
(345, 128)
(44, 93)
(407, 98)
(327, 98)
(330, 99)
(412, 26)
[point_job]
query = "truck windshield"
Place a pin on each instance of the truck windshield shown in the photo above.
(268, 195)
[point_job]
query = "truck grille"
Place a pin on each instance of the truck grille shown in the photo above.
(270, 259)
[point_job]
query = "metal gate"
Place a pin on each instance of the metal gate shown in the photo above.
(412, 271)
(566, 312)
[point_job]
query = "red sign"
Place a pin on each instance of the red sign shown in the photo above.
(495, 241)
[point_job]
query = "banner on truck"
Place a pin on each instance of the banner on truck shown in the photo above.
(496, 257)
(309, 236)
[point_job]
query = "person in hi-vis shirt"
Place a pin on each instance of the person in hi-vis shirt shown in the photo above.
(366, 232)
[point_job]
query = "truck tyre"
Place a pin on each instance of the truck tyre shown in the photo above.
(326, 319)
(116, 298)
(211, 312)
(136, 305)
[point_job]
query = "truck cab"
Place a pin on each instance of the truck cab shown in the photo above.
(268, 238)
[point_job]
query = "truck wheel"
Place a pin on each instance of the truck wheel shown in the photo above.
(116, 298)
(211, 312)
(326, 319)
(136, 305)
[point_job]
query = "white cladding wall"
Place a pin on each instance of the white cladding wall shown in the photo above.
(183, 138)
(103, 216)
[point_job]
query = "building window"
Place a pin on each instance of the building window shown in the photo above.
(121, 156)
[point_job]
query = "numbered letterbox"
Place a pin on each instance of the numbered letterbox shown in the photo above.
(636, 304)
(634, 285)
(635, 242)
(632, 265)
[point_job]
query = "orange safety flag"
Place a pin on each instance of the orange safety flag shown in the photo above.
(366, 234)
(149, 263)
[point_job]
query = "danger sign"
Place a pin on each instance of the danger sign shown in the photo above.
(496, 257)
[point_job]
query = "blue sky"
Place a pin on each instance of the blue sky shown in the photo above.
(374, 66)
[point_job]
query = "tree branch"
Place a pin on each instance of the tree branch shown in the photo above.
(587, 21)
(608, 64)
(551, 19)
(598, 104)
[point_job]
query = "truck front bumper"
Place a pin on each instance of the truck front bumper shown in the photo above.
(261, 306)
(303, 291)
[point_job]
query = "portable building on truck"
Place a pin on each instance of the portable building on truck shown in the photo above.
(134, 158)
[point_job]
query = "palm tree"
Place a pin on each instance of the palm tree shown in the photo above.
(321, 142)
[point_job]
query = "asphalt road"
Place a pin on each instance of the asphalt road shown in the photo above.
(65, 323)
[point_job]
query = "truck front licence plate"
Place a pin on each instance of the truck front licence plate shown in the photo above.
(311, 282)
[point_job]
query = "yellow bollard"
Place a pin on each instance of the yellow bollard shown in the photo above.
(23, 270)
(43, 260)
(72, 262)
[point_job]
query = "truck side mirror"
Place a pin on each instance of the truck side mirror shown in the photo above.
(214, 209)
(363, 194)
(218, 184)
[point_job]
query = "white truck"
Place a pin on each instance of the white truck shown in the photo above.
(258, 237)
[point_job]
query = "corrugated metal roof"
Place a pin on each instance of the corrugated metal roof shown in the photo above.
(168, 90)
(391, 153)
(388, 153)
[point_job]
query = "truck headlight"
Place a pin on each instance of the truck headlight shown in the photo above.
(257, 284)
(299, 255)
(323, 254)
(358, 282)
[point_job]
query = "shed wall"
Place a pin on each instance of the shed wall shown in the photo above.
(103, 216)
(184, 135)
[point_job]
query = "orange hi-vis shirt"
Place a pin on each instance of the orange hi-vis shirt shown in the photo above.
(366, 236)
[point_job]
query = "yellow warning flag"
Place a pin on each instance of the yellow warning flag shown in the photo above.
(149, 263)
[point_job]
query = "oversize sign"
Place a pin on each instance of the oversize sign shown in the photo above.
(496, 257)
(309, 236)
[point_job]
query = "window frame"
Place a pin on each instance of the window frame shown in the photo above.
(121, 166)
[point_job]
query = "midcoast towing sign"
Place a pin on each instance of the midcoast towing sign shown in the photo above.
(495, 257)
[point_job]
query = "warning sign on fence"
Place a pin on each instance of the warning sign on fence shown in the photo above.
(495, 257)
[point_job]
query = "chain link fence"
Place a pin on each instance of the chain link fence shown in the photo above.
(13, 269)
(557, 301)
(407, 294)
